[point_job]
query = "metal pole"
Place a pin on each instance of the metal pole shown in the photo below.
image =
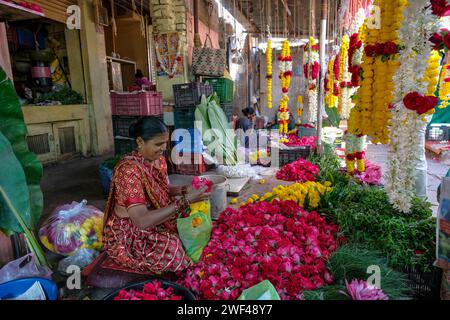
(323, 40)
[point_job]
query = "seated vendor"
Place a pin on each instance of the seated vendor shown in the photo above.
(140, 233)
(141, 80)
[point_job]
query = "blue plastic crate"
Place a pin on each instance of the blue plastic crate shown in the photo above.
(196, 145)
(105, 178)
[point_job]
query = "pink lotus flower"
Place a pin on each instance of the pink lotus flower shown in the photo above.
(361, 290)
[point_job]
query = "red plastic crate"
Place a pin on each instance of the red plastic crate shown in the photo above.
(196, 167)
(136, 104)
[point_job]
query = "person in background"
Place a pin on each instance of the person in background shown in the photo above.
(141, 80)
(247, 121)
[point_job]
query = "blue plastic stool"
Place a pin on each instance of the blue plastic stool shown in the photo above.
(15, 288)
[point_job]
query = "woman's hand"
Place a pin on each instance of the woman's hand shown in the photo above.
(177, 190)
(198, 195)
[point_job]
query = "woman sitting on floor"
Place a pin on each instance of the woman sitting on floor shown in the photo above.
(140, 233)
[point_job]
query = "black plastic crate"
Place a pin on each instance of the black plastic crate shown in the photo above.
(293, 154)
(124, 145)
(438, 133)
(121, 124)
(228, 109)
(425, 285)
(190, 94)
(184, 118)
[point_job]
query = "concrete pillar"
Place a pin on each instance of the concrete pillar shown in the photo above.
(96, 78)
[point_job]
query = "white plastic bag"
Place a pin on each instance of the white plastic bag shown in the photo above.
(81, 258)
(71, 227)
(24, 267)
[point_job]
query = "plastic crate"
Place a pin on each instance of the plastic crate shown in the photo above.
(195, 138)
(197, 165)
(223, 87)
(228, 109)
(190, 94)
(121, 124)
(124, 145)
(438, 133)
(425, 285)
(105, 174)
(136, 104)
(293, 154)
(184, 118)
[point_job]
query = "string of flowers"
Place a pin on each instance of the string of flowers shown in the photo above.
(444, 87)
(285, 60)
(411, 103)
(331, 98)
(311, 73)
(344, 84)
(380, 64)
(269, 74)
(299, 109)
(355, 152)
(355, 54)
(161, 62)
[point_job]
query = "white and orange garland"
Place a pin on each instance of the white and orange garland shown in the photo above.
(269, 74)
(285, 60)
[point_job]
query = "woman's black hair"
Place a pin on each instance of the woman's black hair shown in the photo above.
(139, 73)
(147, 128)
(248, 111)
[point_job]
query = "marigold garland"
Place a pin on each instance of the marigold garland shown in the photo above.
(444, 87)
(343, 97)
(269, 74)
(285, 75)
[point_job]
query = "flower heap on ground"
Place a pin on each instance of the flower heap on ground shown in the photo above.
(355, 152)
(380, 62)
(269, 75)
(411, 102)
(277, 241)
(285, 60)
(151, 291)
(345, 103)
(311, 73)
(298, 171)
(296, 141)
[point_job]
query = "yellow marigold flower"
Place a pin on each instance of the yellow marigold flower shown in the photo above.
(234, 201)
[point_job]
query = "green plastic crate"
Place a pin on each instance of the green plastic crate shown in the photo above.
(223, 87)
(184, 118)
(124, 145)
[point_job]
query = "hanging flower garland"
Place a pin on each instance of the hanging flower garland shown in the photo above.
(411, 102)
(343, 83)
(432, 73)
(371, 113)
(311, 68)
(162, 64)
(285, 60)
(331, 98)
(269, 74)
(299, 109)
(355, 54)
(355, 152)
(444, 87)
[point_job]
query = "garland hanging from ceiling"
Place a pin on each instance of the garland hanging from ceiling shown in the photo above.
(285, 60)
(311, 73)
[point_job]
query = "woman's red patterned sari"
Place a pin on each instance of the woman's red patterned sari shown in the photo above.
(152, 251)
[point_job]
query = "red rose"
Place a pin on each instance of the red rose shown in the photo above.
(370, 50)
(390, 48)
(447, 40)
(315, 70)
(379, 49)
(413, 100)
(315, 47)
(429, 103)
(440, 8)
(436, 39)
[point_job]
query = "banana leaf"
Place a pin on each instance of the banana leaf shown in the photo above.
(229, 150)
(13, 128)
(333, 116)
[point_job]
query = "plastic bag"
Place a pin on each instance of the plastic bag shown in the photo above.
(24, 267)
(195, 230)
(262, 291)
(71, 227)
(81, 258)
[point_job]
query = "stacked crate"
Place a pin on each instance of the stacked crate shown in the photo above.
(188, 159)
(126, 109)
(224, 89)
